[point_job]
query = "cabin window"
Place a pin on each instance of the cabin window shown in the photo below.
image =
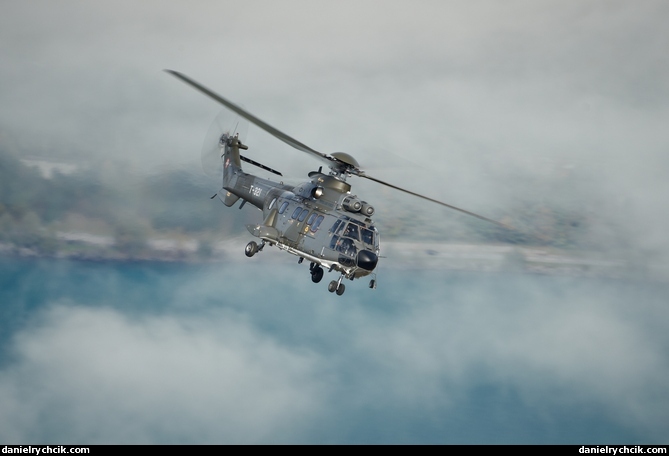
(303, 215)
(317, 223)
(283, 207)
(271, 205)
(296, 212)
(312, 217)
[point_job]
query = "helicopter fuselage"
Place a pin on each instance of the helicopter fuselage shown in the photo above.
(318, 220)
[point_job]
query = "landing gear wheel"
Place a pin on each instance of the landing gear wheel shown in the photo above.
(251, 249)
(317, 274)
(340, 289)
(332, 286)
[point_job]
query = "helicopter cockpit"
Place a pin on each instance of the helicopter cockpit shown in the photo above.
(350, 235)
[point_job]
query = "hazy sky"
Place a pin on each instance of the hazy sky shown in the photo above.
(479, 103)
(470, 102)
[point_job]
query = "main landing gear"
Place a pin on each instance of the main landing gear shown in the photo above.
(317, 275)
(315, 269)
(316, 272)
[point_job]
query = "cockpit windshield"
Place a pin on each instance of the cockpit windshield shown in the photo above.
(356, 230)
(349, 228)
(367, 236)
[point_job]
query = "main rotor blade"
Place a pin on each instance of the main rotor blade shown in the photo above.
(253, 119)
(362, 174)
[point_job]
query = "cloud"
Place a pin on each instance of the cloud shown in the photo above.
(570, 338)
(222, 364)
(94, 375)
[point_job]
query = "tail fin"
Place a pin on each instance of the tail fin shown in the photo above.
(231, 159)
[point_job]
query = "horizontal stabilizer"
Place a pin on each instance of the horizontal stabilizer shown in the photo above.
(260, 165)
(266, 233)
(228, 198)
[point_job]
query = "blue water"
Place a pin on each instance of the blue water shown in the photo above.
(428, 357)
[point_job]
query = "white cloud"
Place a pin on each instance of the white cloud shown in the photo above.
(578, 345)
(93, 375)
(222, 364)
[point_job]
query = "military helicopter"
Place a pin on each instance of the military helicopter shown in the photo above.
(318, 220)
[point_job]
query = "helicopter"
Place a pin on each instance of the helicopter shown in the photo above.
(319, 220)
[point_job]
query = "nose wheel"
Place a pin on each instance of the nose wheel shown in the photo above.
(337, 287)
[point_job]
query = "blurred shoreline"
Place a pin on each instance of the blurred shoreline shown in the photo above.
(81, 246)
(56, 209)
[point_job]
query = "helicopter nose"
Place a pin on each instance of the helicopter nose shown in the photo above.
(367, 260)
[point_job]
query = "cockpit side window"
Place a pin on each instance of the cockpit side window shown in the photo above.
(367, 236)
(335, 226)
(346, 246)
(377, 241)
(341, 227)
(352, 231)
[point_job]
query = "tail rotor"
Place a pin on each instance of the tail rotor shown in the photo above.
(226, 123)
